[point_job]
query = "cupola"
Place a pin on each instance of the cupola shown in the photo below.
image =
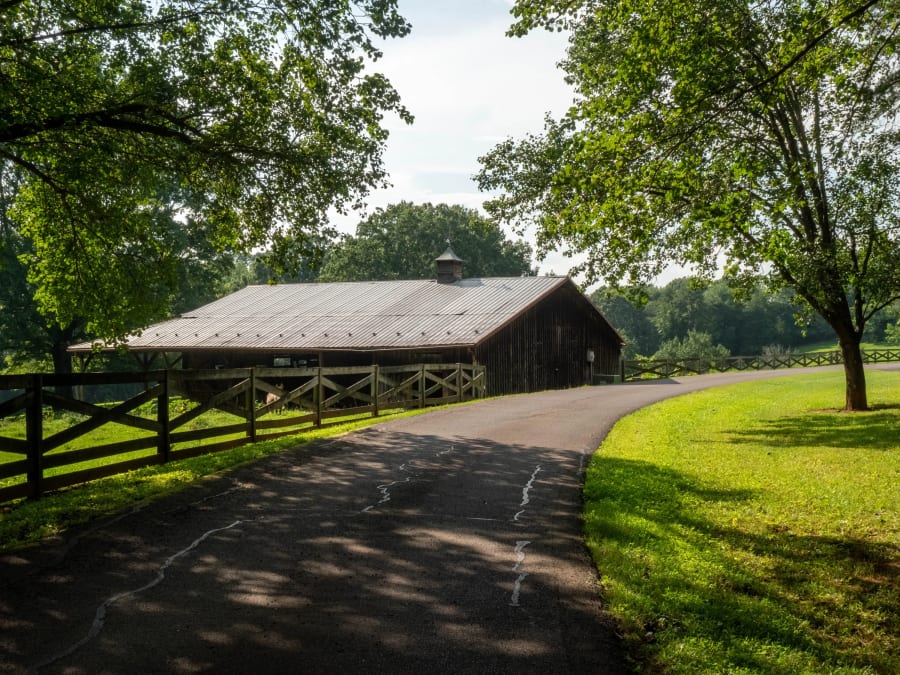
(449, 267)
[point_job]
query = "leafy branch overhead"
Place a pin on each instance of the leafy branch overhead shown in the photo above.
(761, 136)
(238, 120)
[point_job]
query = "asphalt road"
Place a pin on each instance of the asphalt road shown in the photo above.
(444, 543)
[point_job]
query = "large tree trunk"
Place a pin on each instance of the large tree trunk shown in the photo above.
(854, 373)
(62, 359)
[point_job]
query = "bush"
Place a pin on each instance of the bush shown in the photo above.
(695, 345)
(892, 334)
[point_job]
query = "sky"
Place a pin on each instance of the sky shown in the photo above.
(469, 87)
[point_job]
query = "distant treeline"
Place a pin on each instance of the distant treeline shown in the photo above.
(681, 320)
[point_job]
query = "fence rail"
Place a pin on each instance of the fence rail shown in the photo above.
(646, 369)
(266, 402)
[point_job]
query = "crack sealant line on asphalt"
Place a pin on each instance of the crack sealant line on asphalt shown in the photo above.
(386, 493)
(525, 491)
(517, 586)
(385, 488)
(100, 615)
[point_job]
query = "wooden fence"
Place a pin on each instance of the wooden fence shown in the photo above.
(161, 405)
(646, 369)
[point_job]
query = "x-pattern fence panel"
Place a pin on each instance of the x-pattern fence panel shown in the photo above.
(163, 408)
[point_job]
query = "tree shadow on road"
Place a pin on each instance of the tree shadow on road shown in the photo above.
(378, 552)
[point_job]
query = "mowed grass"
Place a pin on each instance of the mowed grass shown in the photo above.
(754, 529)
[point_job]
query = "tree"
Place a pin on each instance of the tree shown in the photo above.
(402, 241)
(761, 134)
(199, 274)
(26, 337)
(630, 320)
(238, 122)
(743, 325)
(892, 329)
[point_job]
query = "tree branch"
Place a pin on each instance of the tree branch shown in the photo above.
(807, 48)
(97, 28)
(113, 118)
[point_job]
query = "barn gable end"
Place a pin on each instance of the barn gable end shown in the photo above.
(560, 342)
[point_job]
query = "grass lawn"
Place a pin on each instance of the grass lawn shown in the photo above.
(750, 529)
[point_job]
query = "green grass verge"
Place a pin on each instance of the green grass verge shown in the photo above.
(748, 529)
(833, 346)
(27, 522)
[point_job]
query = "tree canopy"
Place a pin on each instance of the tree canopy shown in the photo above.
(199, 274)
(745, 326)
(762, 136)
(144, 128)
(401, 241)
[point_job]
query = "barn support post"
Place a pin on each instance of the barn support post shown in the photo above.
(34, 435)
(374, 390)
(251, 406)
(163, 447)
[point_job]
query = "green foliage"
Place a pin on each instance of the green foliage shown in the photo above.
(198, 274)
(150, 131)
(745, 529)
(886, 325)
(763, 135)
(892, 334)
(744, 325)
(694, 345)
(631, 320)
(28, 340)
(402, 241)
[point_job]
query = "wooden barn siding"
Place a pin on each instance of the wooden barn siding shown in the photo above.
(546, 347)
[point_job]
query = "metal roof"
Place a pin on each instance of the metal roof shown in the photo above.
(449, 255)
(349, 316)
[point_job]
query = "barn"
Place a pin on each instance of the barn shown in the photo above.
(530, 333)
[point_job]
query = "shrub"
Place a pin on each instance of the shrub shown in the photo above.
(695, 345)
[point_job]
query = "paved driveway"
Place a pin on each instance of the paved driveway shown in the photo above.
(444, 543)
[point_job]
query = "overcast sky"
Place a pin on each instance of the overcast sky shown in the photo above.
(469, 87)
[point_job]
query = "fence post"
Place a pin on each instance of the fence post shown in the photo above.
(375, 390)
(318, 396)
(422, 385)
(162, 417)
(34, 435)
(459, 383)
(251, 406)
